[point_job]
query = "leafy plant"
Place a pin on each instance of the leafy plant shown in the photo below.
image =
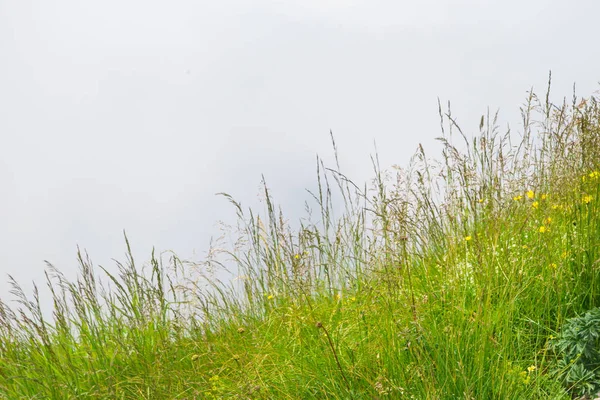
(578, 348)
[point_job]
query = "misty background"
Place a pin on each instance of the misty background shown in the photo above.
(130, 115)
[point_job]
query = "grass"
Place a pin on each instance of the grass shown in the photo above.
(442, 280)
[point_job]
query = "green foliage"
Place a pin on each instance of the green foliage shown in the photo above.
(441, 280)
(578, 349)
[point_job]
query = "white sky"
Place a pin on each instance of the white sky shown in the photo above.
(132, 114)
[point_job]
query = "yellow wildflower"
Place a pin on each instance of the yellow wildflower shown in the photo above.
(586, 199)
(517, 198)
(535, 204)
(467, 238)
(544, 196)
(531, 368)
(530, 194)
(548, 220)
(542, 229)
(271, 297)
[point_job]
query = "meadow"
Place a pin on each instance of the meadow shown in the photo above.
(462, 275)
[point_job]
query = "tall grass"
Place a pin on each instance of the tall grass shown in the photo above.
(441, 280)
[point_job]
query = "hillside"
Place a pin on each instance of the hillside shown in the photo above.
(453, 277)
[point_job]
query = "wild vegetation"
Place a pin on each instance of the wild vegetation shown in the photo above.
(448, 279)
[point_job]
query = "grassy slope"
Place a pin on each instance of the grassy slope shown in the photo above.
(443, 281)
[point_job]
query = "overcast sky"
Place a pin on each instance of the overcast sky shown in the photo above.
(131, 115)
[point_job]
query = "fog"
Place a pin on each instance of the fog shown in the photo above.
(131, 115)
